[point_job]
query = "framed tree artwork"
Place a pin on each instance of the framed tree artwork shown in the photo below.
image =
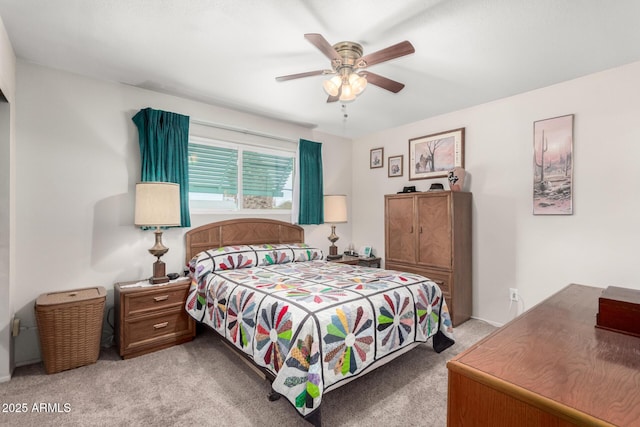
(435, 155)
(553, 166)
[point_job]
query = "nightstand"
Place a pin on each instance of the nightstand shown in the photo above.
(150, 318)
(354, 260)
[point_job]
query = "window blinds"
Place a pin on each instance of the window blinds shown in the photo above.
(214, 170)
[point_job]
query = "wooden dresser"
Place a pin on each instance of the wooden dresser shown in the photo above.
(429, 233)
(549, 367)
(151, 318)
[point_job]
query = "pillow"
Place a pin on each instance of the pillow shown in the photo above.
(245, 256)
(231, 257)
(303, 252)
(269, 254)
(200, 265)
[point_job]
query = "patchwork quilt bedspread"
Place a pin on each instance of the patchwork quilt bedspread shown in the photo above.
(313, 324)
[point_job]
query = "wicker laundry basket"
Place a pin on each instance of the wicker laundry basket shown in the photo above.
(70, 327)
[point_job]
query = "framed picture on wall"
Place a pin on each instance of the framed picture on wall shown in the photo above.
(433, 156)
(395, 166)
(376, 158)
(553, 166)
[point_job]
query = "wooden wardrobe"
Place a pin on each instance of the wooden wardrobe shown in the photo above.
(429, 233)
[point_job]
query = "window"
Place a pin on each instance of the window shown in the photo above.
(226, 176)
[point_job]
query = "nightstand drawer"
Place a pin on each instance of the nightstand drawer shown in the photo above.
(153, 330)
(154, 299)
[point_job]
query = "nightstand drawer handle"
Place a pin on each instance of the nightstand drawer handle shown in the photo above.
(161, 298)
(160, 325)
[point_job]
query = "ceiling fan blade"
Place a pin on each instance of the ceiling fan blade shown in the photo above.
(383, 82)
(334, 98)
(321, 43)
(301, 75)
(391, 52)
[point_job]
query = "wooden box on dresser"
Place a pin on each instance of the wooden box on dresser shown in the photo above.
(151, 318)
(429, 233)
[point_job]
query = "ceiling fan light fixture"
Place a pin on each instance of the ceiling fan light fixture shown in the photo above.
(332, 86)
(346, 61)
(358, 83)
(347, 94)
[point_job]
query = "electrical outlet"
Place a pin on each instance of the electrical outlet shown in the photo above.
(514, 295)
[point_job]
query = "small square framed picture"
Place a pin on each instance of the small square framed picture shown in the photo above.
(395, 166)
(365, 252)
(376, 158)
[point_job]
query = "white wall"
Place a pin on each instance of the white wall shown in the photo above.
(77, 164)
(7, 205)
(539, 255)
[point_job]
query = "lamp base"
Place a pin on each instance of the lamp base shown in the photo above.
(333, 253)
(159, 273)
(333, 249)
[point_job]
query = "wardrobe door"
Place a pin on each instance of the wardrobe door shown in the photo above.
(434, 230)
(400, 233)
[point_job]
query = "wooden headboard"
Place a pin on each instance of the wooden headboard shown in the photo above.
(245, 231)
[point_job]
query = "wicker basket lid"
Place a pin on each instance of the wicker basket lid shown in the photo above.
(75, 295)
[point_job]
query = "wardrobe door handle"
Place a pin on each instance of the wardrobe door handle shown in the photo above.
(411, 231)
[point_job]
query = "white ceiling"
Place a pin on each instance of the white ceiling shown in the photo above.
(228, 52)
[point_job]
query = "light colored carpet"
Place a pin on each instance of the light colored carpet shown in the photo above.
(203, 383)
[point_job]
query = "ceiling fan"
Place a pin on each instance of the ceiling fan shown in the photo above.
(349, 67)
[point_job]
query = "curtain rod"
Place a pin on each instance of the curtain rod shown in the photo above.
(241, 130)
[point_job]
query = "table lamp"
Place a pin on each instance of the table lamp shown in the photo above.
(157, 205)
(335, 211)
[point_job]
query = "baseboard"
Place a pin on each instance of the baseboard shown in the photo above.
(492, 323)
(5, 379)
(28, 362)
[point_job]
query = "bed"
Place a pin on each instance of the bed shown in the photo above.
(309, 325)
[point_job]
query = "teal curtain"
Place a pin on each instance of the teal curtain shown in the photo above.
(311, 191)
(164, 151)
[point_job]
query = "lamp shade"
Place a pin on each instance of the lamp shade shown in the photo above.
(157, 204)
(332, 85)
(335, 208)
(358, 83)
